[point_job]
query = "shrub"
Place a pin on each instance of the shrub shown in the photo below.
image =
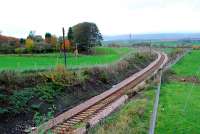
(62, 77)
(6, 48)
(41, 118)
(29, 44)
(45, 92)
(20, 50)
(19, 99)
(9, 78)
(3, 111)
(35, 106)
(38, 118)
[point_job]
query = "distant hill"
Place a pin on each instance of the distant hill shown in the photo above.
(163, 36)
(6, 39)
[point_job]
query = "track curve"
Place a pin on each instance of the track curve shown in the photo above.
(63, 123)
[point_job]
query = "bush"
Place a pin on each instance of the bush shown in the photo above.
(46, 92)
(114, 45)
(35, 106)
(20, 50)
(9, 78)
(40, 118)
(19, 99)
(3, 111)
(42, 47)
(6, 48)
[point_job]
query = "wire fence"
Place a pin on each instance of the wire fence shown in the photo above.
(155, 109)
(156, 103)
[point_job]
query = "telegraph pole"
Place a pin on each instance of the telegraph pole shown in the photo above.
(130, 38)
(64, 51)
(150, 47)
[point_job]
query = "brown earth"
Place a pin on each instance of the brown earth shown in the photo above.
(191, 79)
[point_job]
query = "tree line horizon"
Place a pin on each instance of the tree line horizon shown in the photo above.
(82, 36)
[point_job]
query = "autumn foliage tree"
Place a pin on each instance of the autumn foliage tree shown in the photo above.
(53, 41)
(67, 45)
(29, 44)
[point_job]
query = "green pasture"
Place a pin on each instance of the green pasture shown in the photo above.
(104, 55)
(179, 109)
(189, 65)
(179, 106)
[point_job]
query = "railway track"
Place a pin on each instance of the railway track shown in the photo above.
(63, 124)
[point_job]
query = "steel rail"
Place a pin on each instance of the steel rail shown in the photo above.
(64, 122)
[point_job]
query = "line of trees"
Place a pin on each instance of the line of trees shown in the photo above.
(81, 37)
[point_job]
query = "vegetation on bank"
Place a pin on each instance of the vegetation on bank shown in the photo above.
(38, 96)
(129, 119)
(132, 118)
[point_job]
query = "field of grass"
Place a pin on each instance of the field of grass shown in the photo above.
(167, 50)
(179, 106)
(43, 61)
(132, 118)
(189, 65)
(154, 42)
(179, 109)
(175, 43)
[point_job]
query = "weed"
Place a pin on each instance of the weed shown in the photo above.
(45, 92)
(41, 118)
(38, 118)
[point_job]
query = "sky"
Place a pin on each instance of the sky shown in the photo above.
(113, 17)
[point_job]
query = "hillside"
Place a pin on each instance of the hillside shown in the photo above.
(5, 39)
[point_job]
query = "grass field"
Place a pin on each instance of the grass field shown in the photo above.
(43, 61)
(179, 109)
(132, 118)
(189, 66)
(179, 106)
(168, 50)
(154, 42)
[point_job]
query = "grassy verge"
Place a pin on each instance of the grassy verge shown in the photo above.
(44, 61)
(132, 118)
